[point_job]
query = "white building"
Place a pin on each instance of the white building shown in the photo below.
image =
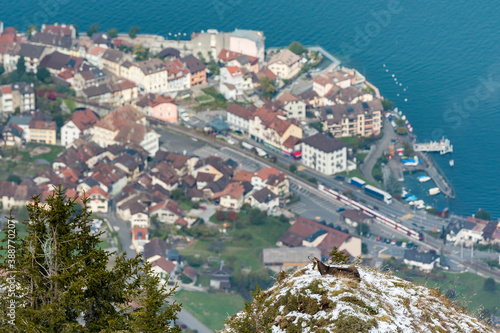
(248, 42)
(80, 123)
(324, 154)
(294, 107)
(425, 261)
(238, 117)
(150, 75)
(231, 79)
(285, 64)
(179, 77)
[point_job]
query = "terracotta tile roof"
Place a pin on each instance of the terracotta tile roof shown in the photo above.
(57, 30)
(166, 265)
(6, 89)
(234, 190)
(84, 119)
(291, 142)
(240, 111)
(303, 228)
(243, 176)
(96, 189)
(175, 69)
(169, 205)
(118, 117)
(43, 125)
(205, 177)
(322, 80)
(181, 221)
(108, 174)
(190, 272)
(285, 56)
(234, 71)
(266, 172)
(287, 97)
(96, 51)
(226, 55)
(266, 72)
(161, 100)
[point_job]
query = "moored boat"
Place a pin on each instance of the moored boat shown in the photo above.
(434, 191)
(423, 179)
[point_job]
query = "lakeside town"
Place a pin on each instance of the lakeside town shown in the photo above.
(255, 128)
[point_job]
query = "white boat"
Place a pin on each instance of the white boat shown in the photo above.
(434, 191)
(423, 179)
(452, 163)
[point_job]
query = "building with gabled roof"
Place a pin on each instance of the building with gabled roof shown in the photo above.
(197, 70)
(238, 117)
(150, 75)
(345, 120)
(167, 211)
(306, 232)
(79, 124)
(164, 268)
(42, 131)
(179, 76)
(324, 154)
(425, 261)
(60, 30)
(285, 64)
(98, 199)
(231, 198)
(293, 106)
(263, 199)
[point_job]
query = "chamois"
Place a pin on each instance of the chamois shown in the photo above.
(350, 272)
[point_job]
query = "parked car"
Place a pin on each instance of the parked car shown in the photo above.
(340, 210)
(378, 238)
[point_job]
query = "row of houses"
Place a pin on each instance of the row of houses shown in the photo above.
(470, 231)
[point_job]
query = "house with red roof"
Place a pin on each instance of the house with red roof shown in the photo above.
(179, 76)
(164, 268)
(231, 82)
(98, 199)
(167, 211)
(271, 128)
(79, 124)
(309, 233)
(231, 198)
(159, 107)
(238, 117)
(125, 125)
(293, 106)
(60, 30)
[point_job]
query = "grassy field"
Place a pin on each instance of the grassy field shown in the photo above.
(247, 250)
(210, 309)
(469, 289)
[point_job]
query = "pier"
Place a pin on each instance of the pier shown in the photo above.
(434, 172)
(443, 146)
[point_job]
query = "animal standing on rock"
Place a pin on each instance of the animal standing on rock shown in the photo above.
(350, 272)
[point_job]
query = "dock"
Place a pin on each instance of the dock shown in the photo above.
(434, 172)
(443, 146)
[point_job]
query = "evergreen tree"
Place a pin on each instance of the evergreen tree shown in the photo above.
(21, 66)
(63, 283)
